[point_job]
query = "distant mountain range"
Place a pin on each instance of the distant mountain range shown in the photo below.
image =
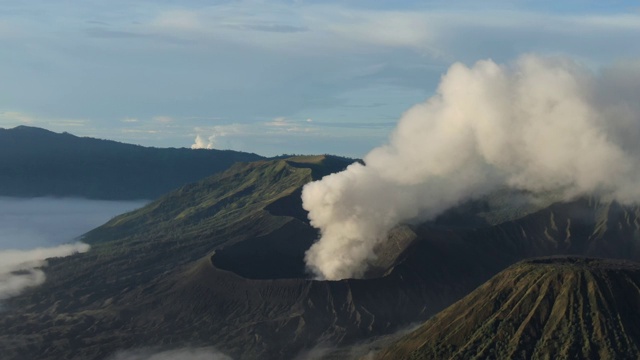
(220, 262)
(37, 162)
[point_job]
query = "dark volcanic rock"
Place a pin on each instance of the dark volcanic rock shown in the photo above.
(275, 319)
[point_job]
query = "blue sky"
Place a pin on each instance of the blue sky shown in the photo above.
(271, 76)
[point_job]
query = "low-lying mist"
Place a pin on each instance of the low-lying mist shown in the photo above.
(205, 353)
(32, 230)
(540, 124)
(21, 269)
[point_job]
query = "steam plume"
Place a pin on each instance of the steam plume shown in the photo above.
(539, 124)
(201, 143)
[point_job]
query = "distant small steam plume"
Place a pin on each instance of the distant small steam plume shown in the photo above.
(539, 124)
(202, 143)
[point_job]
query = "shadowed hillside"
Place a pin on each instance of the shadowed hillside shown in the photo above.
(550, 308)
(37, 162)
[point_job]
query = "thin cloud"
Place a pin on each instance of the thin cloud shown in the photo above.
(358, 125)
(182, 20)
(618, 21)
(9, 30)
(277, 28)
(112, 34)
(279, 121)
(97, 22)
(67, 123)
(140, 131)
(163, 119)
(15, 117)
(385, 28)
(290, 126)
(340, 27)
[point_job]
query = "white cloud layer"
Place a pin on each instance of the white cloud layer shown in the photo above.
(28, 223)
(206, 353)
(34, 229)
(21, 269)
(541, 124)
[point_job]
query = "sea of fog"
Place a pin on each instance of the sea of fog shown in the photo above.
(33, 230)
(44, 222)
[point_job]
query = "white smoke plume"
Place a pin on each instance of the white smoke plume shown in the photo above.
(21, 269)
(202, 143)
(538, 124)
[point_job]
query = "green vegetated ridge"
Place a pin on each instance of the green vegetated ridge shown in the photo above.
(37, 162)
(548, 308)
(198, 210)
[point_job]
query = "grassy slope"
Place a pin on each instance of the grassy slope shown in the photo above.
(563, 308)
(201, 209)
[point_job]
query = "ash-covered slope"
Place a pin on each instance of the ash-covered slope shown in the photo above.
(38, 162)
(548, 308)
(457, 252)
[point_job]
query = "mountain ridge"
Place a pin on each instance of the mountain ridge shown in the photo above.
(36, 162)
